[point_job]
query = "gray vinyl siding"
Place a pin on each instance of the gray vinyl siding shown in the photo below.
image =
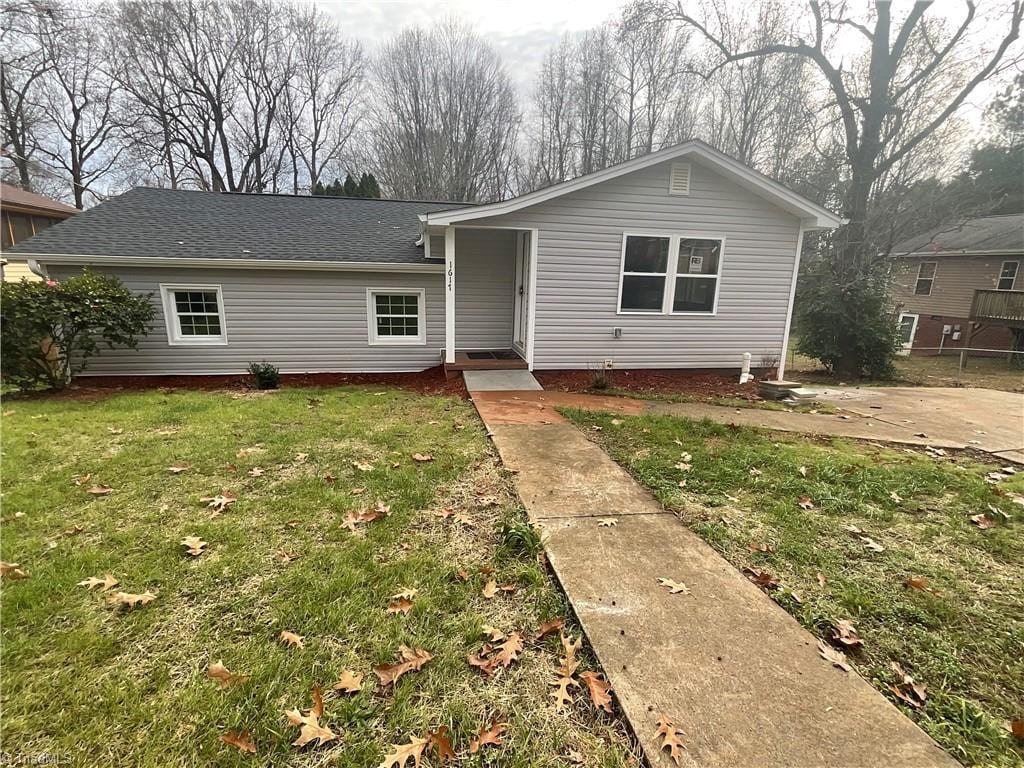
(579, 252)
(484, 267)
(299, 320)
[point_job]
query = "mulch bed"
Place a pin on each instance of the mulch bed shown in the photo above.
(700, 385)
(429, 382)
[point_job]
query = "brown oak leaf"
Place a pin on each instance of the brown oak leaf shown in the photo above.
(674, 587)
(844, 632)
(405, 752)
(310, 729)
(12, 571)
(241, 740)
(761, 578)
(805, 502)
(422, 457)
(556, 624)
(291, 639)
(920, 583)
(598, 689)
(488, 736)
(410, 661)
(219, 502)
(490, 589)
(400, 605)
(107, 582)
(441, 744)
(194, 545)
(100, 490)
(225, 677)
(561, 695)
(984, 521)
(177, 469)
(128, 600)
(833, 656)
(349, 682)
(671, 738)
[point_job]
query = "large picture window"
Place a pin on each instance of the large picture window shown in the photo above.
(194, 314)
(674, 274)
(396, 316)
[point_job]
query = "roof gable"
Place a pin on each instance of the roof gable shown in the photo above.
(813, 215)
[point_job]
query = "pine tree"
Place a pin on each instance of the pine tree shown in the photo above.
(351, 188)
(319, 189)
(334, 188)
(368, 186)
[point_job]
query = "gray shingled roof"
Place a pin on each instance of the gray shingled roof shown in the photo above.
(992, 234)
(148, 222)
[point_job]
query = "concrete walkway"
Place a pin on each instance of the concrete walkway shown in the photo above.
(734, 671)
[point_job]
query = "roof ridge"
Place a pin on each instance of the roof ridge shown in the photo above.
(303, 197)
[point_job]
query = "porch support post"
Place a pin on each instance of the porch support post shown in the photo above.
(781, 370)
(449, 294)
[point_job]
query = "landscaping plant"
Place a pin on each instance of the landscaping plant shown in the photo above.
(50, 329)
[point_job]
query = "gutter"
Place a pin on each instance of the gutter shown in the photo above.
(42, 259)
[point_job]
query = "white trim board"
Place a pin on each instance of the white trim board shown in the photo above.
(172, 319)
(812, 215)
(170, 261)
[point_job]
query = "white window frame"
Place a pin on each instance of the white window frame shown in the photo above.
(668, 298)
(396, 341)
(931, 280)
(174, 336)
(1013, 280)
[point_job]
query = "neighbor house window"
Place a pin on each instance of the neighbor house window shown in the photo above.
(194, 314)
(925, 278)
(670, 274)
(396, 316)
(1007, 275)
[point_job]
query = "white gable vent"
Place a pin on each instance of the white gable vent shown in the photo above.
(679, 180)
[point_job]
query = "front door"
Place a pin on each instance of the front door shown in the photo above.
(521, 286)
(908, 327)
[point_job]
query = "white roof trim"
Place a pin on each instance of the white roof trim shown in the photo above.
(161, 261)
(811, 214)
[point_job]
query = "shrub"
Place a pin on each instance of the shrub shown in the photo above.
(600, 376)
(266, 375)
(49, 330)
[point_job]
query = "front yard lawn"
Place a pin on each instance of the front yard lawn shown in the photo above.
(874, 518)
(89, 683)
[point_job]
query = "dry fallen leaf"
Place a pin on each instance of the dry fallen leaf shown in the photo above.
(871, 545)
(423, 457)
(349, 682)
(844, 632)
(363, 466)
(983, 521)
(128, 600)
(225, 678)
(194, 545)
(760, 546)
(285, 556)
(561, 695)
(441, 744)
(830, 654)
(920, 583)
(400, 605)
(907, 690)
(300, 458)
(569, 662)
(310, 729)
(100, 490)
(671, 738)
(107, 582)
(411, 661)
(241, 740)
(177, 469)
(490, 589)
(1017, 729)
(219, 502)
(549, 628)
(255, 472)
(12, 571)
(674, 587)
(607, 522)
(895, 497)
(761, 578)
(802, 471)
(291, 639)
(404, 752)
(488, 735)
(821, 579)
(805, 502)
(598, 689)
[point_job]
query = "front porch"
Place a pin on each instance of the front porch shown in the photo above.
(489, 289)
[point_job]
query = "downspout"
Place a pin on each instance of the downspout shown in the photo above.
(37, 269)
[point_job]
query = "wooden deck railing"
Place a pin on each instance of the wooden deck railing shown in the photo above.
(1000, 307)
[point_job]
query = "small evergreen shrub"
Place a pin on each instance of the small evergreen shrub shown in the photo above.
(265, 375)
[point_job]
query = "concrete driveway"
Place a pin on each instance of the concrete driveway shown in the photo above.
(985, 419)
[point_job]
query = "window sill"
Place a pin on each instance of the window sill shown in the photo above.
(192, 343)
(401, 343)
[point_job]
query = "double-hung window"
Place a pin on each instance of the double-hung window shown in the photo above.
(663, 274)
(925, 278)
(396, 316)
(194, 314)
(1007, 275)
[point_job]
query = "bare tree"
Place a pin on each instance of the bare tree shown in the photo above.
(445, 116)
(22, 69)
(906, 58)
(78, 100)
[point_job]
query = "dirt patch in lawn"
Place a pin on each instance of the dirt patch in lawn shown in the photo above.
(429, 382)
(698, 385)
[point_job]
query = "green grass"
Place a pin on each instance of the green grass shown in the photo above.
(966, 643)
(725, 402)
(97, 686)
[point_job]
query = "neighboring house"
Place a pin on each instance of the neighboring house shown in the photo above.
(22, 215)
(684, 258)
(961, 285)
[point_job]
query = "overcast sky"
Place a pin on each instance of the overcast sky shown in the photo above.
(524, 30)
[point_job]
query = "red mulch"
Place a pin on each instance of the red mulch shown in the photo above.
(701, 385)
(429, 382)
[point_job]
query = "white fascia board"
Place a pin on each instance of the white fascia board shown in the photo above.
(156, 261)
(813, 215)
